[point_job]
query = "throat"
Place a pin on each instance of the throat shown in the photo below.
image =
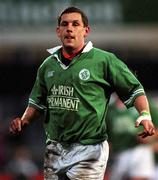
(69, 56)
(66, 58)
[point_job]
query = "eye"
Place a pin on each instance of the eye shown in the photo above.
(76, 23)
(63, 23)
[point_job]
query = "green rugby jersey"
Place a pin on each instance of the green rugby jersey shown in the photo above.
(76, 97)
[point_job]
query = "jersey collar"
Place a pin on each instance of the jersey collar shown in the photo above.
(87, 48)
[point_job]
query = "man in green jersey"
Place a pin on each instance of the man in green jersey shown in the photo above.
(73, 88)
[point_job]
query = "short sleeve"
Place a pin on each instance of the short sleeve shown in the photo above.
(123, 81)
(38, 96)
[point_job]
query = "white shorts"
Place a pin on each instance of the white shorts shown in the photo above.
(76, 161)
(136, 162)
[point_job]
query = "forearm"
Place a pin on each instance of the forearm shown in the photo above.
(30, 114)
(141, 104)
(18, 124)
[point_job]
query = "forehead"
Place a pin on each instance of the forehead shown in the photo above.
(70, 17)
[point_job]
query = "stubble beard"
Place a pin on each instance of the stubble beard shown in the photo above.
(69, 49)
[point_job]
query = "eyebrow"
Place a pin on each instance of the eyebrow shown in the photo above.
(70, 20)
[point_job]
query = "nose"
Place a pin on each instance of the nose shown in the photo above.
(69, 27)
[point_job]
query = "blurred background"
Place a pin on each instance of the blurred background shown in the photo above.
(128, 28)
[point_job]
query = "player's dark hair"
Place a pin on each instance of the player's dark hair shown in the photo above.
(74, 10)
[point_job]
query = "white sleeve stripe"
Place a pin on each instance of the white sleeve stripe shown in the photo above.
(31, 101)
(133, 95)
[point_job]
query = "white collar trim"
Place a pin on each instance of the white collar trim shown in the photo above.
(53, 50)
(87, 48)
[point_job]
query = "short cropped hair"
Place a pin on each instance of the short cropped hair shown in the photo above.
(74, 10)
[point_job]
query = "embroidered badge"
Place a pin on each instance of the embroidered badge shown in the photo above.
(84, 74)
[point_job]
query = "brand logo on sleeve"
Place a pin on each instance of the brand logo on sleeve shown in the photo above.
(50, 74)
(84, 74)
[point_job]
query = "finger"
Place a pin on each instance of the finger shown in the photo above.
(148, 127)
(12, 126)
(19, 125)
(15, 125)
(151, 131)
(11, 130)
(143, 135)
(24, 123)
(137, 124)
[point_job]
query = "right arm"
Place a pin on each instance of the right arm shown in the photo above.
(18, 124)
(36, 104)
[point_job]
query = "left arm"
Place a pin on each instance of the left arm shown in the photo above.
(142, 106)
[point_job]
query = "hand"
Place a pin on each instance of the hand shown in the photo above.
(16, 125)
(149, 129)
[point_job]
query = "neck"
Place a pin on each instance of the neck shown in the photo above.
(70, 53)
(72, 50)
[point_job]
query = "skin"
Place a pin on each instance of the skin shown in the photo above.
(141, 104)
(72, 34)
(18, 124)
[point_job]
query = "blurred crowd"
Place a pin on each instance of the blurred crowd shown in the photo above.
(21, 156)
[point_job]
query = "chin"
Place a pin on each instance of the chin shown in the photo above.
(68, 46)
(68, 43)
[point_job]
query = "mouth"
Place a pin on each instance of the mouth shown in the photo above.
(69, 37)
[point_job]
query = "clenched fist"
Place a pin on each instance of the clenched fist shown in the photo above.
(17, 124)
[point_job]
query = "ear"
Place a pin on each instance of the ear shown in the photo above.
(87, 31)
(58, 31)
